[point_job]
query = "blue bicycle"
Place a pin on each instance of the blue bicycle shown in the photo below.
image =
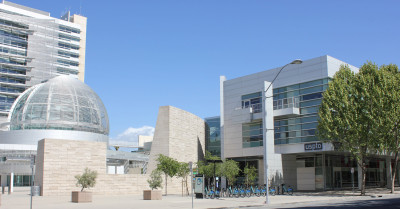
(288, 190)
(256, 191)
(272, 191)
(209, 194)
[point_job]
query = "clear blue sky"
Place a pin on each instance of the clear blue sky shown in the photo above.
(149, 53)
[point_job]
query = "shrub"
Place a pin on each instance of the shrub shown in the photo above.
(87, 179)
(155, 180)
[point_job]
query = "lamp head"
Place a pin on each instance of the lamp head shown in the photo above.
(296, 61)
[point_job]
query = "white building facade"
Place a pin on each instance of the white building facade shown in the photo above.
(289, 120)
(35, 47)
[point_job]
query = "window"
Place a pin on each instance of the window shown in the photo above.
(252, 134)
(253, 100)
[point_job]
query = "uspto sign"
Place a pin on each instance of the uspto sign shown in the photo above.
(313, 146)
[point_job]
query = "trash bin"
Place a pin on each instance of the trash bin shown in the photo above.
(36, 191)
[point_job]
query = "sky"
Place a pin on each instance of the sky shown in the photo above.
(143, 54)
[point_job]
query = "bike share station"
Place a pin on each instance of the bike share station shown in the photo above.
(199, 186)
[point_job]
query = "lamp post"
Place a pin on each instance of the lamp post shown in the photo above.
(269, 125)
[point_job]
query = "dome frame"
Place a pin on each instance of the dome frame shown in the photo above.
(61, 103)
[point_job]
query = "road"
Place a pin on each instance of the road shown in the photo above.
(368, 202)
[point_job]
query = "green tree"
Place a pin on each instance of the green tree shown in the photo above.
(251, 174)
(348, 111)
(168, 166)
(230, 169)
(183, 172)
(87, 179)
(155, 180)
(390, 118)
(209, 170)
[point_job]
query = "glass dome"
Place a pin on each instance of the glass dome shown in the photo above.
(62, 103)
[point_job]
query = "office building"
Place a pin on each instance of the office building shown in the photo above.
(289, 120)
(35, 47)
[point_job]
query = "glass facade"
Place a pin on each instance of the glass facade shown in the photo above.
(252, 134)
(62, 103)
(20, 180)
(334, 171)
(253, 101)
(306, 96)
(213, 136)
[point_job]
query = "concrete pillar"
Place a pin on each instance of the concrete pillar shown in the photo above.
(11, 183)
(261, 172)
(3, 180)
(388, 172)
(359, 170)
(272, 161)
(381, 170)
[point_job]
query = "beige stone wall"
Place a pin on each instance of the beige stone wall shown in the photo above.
(178, 134)
(58, 161)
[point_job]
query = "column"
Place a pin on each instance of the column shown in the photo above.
(12, 182)
(359, 171)
(272, 161)
(388, 172)
(3, 180)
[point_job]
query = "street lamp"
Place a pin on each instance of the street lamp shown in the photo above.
(269, 125)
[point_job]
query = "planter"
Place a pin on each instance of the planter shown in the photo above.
(81, 196)
(152, 195)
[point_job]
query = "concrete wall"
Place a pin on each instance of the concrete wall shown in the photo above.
(178, 134)
(82, 21)
(58, 161)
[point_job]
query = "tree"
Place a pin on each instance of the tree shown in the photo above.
(155, 180)
(250, 173)
(209, 170)
(230, 169)
(168, 166)
(184, 172)
(390, 118)
(87, 179)
(348, 111)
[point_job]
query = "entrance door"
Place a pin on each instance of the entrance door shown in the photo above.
(337, 178)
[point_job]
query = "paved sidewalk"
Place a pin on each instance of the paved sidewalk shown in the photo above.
(20, 199)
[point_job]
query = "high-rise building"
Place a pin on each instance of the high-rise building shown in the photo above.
(35, 47)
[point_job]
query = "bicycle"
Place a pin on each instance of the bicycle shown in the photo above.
(242, 192)
(256, 192)
(248, 192)
(272, 191)
(209, 194)
(263, 191)
(288, 190)
(217, 194)
(234, 192)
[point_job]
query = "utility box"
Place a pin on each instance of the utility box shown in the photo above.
(35, 190)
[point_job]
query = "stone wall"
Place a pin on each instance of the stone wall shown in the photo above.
(178, 134)
(58, 161)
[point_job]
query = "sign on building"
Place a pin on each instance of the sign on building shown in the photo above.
(313, 146)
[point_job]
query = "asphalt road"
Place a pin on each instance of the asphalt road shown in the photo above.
(373, 202)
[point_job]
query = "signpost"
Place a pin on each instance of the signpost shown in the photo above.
(32, 167)
(352, 177)
(191, 181)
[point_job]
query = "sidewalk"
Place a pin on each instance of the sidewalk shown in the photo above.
(20, 199)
